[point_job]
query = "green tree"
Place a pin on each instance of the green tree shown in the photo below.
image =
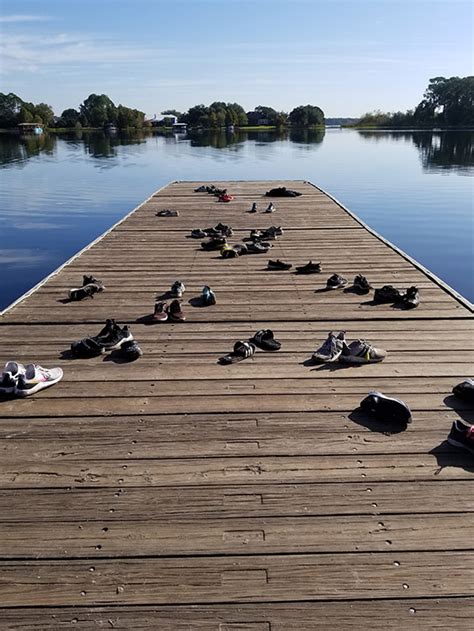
(306, 116)
(448, 101)
(10, 108)
(98, 110)
(44, 114)
(69, 118)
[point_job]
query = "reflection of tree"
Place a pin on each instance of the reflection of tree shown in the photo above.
(445, 150)
(102, 145)
(307, 136)
(16, 149)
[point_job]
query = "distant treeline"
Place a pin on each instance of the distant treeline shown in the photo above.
(445, 103)
(98, 110)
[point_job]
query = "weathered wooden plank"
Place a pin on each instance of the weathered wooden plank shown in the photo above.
(237, 579)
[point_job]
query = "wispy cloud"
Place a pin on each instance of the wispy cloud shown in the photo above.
(23, 18)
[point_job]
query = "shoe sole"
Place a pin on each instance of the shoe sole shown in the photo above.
(320, 360)
(360, 360)
(455, 443)
(117, 346)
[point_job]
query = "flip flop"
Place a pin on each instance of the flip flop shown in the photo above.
(242, 350)
(265, 340)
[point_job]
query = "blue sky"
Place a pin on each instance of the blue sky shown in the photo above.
(347, 57)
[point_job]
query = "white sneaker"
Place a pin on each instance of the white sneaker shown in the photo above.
(36, 378)
(10, 375)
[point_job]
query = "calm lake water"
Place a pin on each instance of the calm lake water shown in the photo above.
(60, 192)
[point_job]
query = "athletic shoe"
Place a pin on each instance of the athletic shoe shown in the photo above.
(270, 208)
(160, 313)
(208, 297)
(130, 351)
(331, 349)
(174, 312)
(240, 248)
(386, 408)
(465, 390)
(87, 280)
(254, 208)
(309, 268)
(228, 252)
(336, 282)
(214, 244)
(167, 213)
(411, 298)
(255, 235)
(177, 289)
(361, 284)
(223, 230)
(110, 338)
(198, 234)
(36, 378)
(279, 265)
(201, 189)
(282, 191)
(387, 293)
(258, 248)
(361, 352)
(10, 375)
(462, 435)
(86, 291)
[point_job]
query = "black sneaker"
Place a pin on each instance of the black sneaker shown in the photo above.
(387, 293)
(258, 248)
(309, 268)
(361, 284)
(197, 233)
(110, 338)
(10, 375)
(86, 291)
(279, 265)
(336, 282)
(201, 189)
(462, 435)
(254, 208)
(386, 408)
(214, 244)
(223, 230)
(411, 298)
(465, 390)
(130, 351)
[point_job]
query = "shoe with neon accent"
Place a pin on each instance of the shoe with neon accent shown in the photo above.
(361, 284)
(228, 252)
(177, 289)
(9, 379)
(465, 390)
(331, 349)
(386, 408)
(36, 378)
(336, 282)
(462, 436)
(361, 352)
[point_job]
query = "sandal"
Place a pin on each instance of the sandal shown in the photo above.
(265, 340)
(242, 350)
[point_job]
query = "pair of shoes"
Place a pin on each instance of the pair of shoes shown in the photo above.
(336, 348)
(409, 300)
(263, 339)
(278, 265)
(214, 243)
(361, 284)
(386, 408)
(177, 289)
(258, 247)
(309, 268)
(231, 251)
(90, 286)
(111, 338)
(165, 312)
(22, 381)
(268, 233)
(336, 282)
(282, 191)
(167, 213)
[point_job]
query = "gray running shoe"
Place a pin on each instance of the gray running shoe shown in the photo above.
(177, 289)
(361, 352)
(331, 349)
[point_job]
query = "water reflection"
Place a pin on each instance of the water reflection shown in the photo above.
(439, 151)
(15, 149)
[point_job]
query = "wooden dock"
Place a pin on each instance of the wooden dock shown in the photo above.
(174, 493)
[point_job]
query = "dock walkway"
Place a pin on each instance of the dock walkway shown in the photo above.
(175, 493)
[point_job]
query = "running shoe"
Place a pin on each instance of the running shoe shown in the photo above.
(208, 297)
(465, 390)
(228, 252)
(240, 248)
(175, 313)
(160, 313)
(361, 284)
(254, 208)
(36, 378)
(336, 282)
(167, 213)
(197, 233)
(130, 351)
(110, 338)
(258, 248)
(386, 408)
(201, 189)
(279, 265)
(462, 436)
(86, 291)
(10, 375)
(270, 208)
(214, 244)
(387, 293)
(411, 298)
(223, 230)
(309, 268)
(331, 349)
(361, 352)
(177, 289)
